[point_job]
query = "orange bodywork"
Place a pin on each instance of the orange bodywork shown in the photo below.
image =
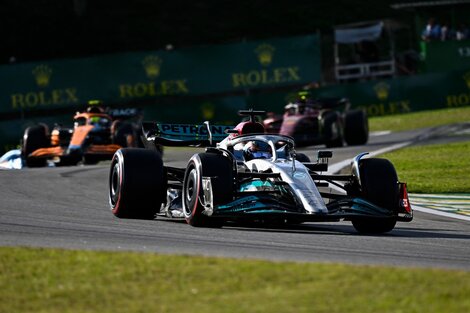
(47, 152)
(103, 149)
(79, 135)
(60, 151)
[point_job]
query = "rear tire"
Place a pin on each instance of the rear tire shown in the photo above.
(124, 134)
(35, 137)
(379, 182)
(137, 184)
(209, 165)
(356, 128)
(333, 130)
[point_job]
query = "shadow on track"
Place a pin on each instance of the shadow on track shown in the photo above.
(329, 229)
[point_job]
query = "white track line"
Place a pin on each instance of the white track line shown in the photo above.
(380, 133)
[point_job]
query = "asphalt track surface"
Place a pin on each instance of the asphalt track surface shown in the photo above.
(68, 208)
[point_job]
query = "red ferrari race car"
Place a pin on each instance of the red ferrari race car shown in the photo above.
(95, 136)
(315, 122)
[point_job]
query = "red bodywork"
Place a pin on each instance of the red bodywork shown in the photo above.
(248, 127)
(306, 124)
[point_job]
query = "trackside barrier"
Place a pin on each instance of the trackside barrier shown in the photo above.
(378, 97)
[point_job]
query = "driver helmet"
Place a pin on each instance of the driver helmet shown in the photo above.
(94, 120)
(257, 150)
(95, 106)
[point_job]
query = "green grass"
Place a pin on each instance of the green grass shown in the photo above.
(434, 168)
(421, 119)
(52, 280)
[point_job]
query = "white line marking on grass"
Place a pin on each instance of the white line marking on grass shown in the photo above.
(440, 196)
(335, 168)
(441, 213)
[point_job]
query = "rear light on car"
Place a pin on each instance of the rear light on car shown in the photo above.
(405, 205)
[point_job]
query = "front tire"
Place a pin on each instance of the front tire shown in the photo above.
(379, 182)
(35, 137)
(137, 184)
(212, 165)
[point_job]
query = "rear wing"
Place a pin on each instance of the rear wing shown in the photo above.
(123, 113)
(332, 103)
(305, 97)
(197, 135)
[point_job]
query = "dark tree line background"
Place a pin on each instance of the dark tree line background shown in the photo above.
(33, 30)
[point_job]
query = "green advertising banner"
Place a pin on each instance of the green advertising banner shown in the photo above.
(405, 94)
(443, 56)
(380, 97)
(143, 76)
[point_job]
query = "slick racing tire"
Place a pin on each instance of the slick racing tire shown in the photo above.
(137, 183)
(356, 128)
(332, 130)
(124, 134)
(212, 165)
(302, 157)
(35, 137)
(379, 182)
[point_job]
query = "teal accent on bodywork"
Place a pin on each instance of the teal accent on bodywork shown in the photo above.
(266, 211)
(252, 204)
(239, 201)
(265, 205)
(364, 207)
(191, 131)
(257, 184)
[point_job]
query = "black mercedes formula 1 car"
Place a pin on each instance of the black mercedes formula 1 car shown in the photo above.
(246, 174)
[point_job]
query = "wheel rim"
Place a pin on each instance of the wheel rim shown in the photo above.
(190, 192)
(115, 184)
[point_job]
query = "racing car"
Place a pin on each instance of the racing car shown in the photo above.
(96, 135)
(319, 121)
(247, 175)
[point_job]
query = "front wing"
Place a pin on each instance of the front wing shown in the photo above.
(74, 155)
(259, 207)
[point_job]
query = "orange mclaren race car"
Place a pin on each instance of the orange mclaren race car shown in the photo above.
(94, 137)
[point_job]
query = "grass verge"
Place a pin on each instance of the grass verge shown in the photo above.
(435, 168)
(53, 280)
(420, 119)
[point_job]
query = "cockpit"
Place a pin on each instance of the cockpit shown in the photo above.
(270, 147)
